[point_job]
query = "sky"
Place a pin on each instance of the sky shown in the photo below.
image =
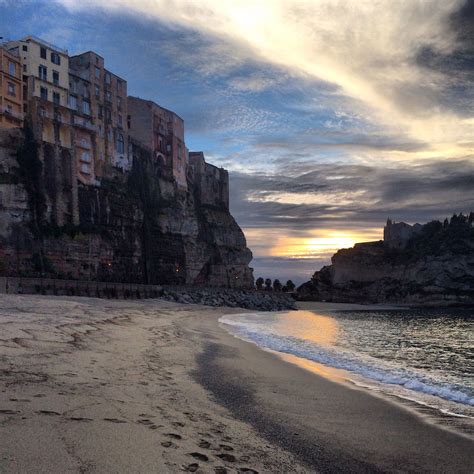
(330, 115)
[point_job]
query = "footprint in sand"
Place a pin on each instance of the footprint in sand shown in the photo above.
(204, 444)
(247, 470)
(80, 418)
(114, 420)
(199, 456)
(191, 467)
(226, 457)
(220, 470)
(9, 412)
(225, 447)
(145, 421)
(173, 436)
(178, 424)
(168, 444)
(48, 412)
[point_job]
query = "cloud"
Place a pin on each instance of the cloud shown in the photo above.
(369, 50)
(342, 196)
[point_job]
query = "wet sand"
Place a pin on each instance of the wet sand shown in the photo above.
(91, 385)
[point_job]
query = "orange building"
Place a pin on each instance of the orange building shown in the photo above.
(11, 89)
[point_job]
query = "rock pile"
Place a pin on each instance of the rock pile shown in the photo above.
(249, 299)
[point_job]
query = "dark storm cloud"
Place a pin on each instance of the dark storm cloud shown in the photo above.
(417, 193)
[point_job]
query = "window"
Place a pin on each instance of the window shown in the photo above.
(24, 67)
(55, 58)
(11, 89)
(42, 111)
(24, 47)
(73, 102)
(108, 78)
(86, 156)
(97, 90)
(108, 96)
(119, 102)
(56, 98)
(43, 53)
(43, 72)
(101, 111)
(108, 115)
(44, 93)
(86, 107)
(9, 109)
(120, 144)
(97, 72)
(119, 86)
(56, 78)
(85, 168)
(120, 121)
(11, 69)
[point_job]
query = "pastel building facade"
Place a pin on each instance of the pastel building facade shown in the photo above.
(11, 89)
(105, 103)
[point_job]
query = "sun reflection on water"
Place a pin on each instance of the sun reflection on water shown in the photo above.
(322, 330)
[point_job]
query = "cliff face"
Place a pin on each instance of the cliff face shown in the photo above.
(435, 267)
(135, 227)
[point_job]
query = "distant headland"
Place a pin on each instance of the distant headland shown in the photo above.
(430, 264)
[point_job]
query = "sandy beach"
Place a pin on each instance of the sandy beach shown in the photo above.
(89, 385)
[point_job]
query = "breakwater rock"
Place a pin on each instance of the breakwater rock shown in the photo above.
(234, 298)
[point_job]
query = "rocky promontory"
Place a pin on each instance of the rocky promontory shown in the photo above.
(431, 264)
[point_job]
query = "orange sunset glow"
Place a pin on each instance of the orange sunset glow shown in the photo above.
(322, 244)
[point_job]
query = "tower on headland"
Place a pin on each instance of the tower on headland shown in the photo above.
(397, 234)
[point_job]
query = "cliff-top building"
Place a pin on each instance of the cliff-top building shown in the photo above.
(211, 182)
(11, 89)
(397, 234)
(162, 132)
(101, 95)
(45, 71)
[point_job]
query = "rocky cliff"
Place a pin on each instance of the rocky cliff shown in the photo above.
(132, 227)
(436, 266)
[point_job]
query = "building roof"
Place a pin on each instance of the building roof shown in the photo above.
(42, 42)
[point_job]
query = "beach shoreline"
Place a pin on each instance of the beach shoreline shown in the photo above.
(91, 385)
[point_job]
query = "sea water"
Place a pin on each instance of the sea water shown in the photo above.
(424, 356)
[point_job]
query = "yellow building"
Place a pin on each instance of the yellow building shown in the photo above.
(11, 90)
(46, 81)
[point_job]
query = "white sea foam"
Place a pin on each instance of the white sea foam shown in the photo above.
(262, 330)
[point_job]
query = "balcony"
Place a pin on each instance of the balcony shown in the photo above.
(11, 114)
(82, 123)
